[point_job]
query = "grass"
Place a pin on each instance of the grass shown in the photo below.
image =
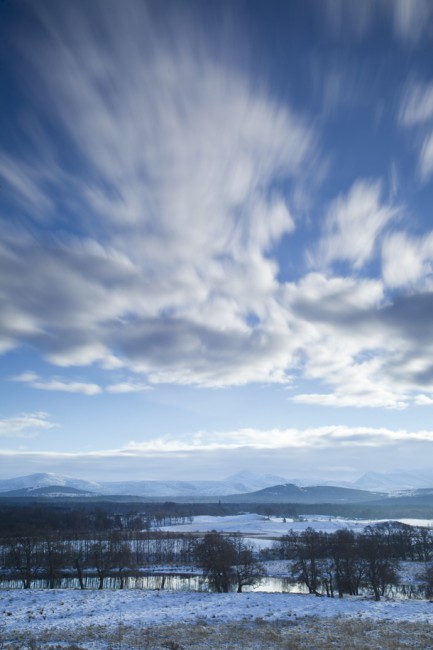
(303, 634)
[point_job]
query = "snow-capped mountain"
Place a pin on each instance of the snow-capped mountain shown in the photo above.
(241, 483)
(37, 481)
(237, 484)
(395, 481)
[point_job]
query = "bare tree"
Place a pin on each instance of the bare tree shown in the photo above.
(247, 569)
(309, 551)
(53, 559)
(24, 559)
(381, 570)
(100, 559)
(216, 555)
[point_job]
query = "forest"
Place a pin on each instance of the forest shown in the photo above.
(53, 546)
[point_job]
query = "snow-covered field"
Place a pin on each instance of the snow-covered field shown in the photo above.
(76, 616)
(254, 525)
(150, 619)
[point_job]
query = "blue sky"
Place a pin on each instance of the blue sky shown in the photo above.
(216, 238)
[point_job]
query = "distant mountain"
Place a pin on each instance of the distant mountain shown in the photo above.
(36, 481)
(236, 484)
(395, 481)
(290, 493)
(251, 486)
(51, 491)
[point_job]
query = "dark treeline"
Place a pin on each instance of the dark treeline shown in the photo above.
(19, 519)
(18, 514)
(345, 562)
(54, 545)
(54, 557)
(328, 564)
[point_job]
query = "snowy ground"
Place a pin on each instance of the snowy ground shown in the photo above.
(253, 525)
(145, 619)
(66, 615)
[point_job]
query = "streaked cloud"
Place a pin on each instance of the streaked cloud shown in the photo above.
(426, 157)
(411, 18)
(353, 224)
(407, 261)
(66, 386)
(416, 111)
(417, 104)
(128, 387)
(26, 425)
(408, 19)
(34, 381)
(188, 221)
(316, 437)
(185, 205)
(424, 400)
(352, 398)
(311, 452)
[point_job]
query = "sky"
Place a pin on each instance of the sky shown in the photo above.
(216, 238)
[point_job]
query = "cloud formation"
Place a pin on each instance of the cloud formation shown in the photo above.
(157, 231)
(85, 388)
(408, 19)
(353, 223)
(26, 425)
(58, 384)
(177, 211)
(319, 452)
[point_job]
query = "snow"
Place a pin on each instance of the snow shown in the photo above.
(258, 526)
(39, 611)
(236, 484)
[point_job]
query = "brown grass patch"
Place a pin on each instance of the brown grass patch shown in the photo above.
(302, 634)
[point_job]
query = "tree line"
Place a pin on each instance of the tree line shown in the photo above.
(328, 564)
(52, 558)
(345, 562)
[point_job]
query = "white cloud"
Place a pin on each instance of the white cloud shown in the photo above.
(349, 17)
(181, 157)
(417, 110)
(128, 387)
(424, 400)
(417, 104)
(411, 18)
(426, 158)
(24, 180)
(68, 387)
(353, 224)
(26, 377)
(172, 271)
(317, 451)
(84, 388)
(248, 438)
(25, 425)
(358, 347)
(352, 398)
(406, 261)
(58, 384)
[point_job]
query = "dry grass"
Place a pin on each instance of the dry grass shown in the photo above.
(304, 634)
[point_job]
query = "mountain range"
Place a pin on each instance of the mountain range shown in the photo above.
(243, 483)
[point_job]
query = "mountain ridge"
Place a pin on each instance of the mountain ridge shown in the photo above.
(240, 483)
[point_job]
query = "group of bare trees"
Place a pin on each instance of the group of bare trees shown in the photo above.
(228, 561)
(345, 562)
(53, 558)
(117, 548)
